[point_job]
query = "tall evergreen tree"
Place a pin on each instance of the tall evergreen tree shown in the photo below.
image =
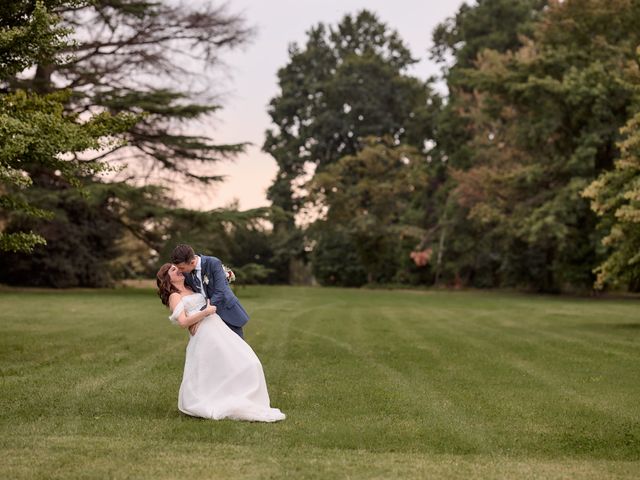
(128, 58)
(149, 59)
(36, 131)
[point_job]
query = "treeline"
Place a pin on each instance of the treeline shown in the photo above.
(525, 174)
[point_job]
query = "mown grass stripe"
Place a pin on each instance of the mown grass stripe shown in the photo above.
(376, 384)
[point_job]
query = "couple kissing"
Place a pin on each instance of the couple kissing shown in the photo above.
(223, 377)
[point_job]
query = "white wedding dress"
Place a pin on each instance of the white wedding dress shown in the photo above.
(223, 377)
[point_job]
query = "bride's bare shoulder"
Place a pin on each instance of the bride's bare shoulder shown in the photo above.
(174, 299)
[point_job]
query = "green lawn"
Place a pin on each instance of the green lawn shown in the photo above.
(376, 384)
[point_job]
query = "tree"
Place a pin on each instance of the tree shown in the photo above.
(132, 59)
(462, 251)
(489, 24)
(368, 199)
(84, 234)
(36, 132)
(146, 58)
(334, 259)
(347, 83)
(615, 197)
(545, 120)
(31, 33)
(240, 238)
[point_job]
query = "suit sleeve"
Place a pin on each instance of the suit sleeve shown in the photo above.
(220, 284)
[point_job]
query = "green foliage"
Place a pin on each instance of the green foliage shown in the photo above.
(369, 195)
(334, 258)
(615, 197)
(52, 141)
(240, 239)
(251, 273)
(542, 122)
(155, 137)
(106, 232)
(538, 92)
(347, 83)
(30, 33)
(41, 133)
(151, 59)
(463, 253)
(37, 135)
(488, 24)
(20, 242)
(84, 233)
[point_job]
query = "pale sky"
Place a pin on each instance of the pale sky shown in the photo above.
(251, 80)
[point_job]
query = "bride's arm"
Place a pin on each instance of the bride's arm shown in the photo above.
(185, 320)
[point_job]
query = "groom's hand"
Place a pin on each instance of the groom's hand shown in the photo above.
(210, 309)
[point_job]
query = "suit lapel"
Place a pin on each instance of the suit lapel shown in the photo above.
(203, 271)
(188, 282)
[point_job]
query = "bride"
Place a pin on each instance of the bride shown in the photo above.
(223, 377)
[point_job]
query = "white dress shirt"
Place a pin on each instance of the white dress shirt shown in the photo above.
(198, 271)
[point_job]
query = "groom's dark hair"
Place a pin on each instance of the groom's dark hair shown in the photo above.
(182, 254)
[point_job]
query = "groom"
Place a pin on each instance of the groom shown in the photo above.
(205, 275)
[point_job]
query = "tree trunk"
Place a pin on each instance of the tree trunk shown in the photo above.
(439, 259)
(42, 79)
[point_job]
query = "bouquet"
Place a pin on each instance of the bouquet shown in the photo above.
(231, 277)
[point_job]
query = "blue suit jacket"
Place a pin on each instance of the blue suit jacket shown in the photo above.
(219, 292)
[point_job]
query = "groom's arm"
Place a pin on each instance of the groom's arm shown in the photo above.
(219, 282)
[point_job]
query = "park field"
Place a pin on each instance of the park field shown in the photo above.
(375, 384)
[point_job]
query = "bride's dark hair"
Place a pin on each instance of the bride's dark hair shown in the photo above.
(165, 287)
